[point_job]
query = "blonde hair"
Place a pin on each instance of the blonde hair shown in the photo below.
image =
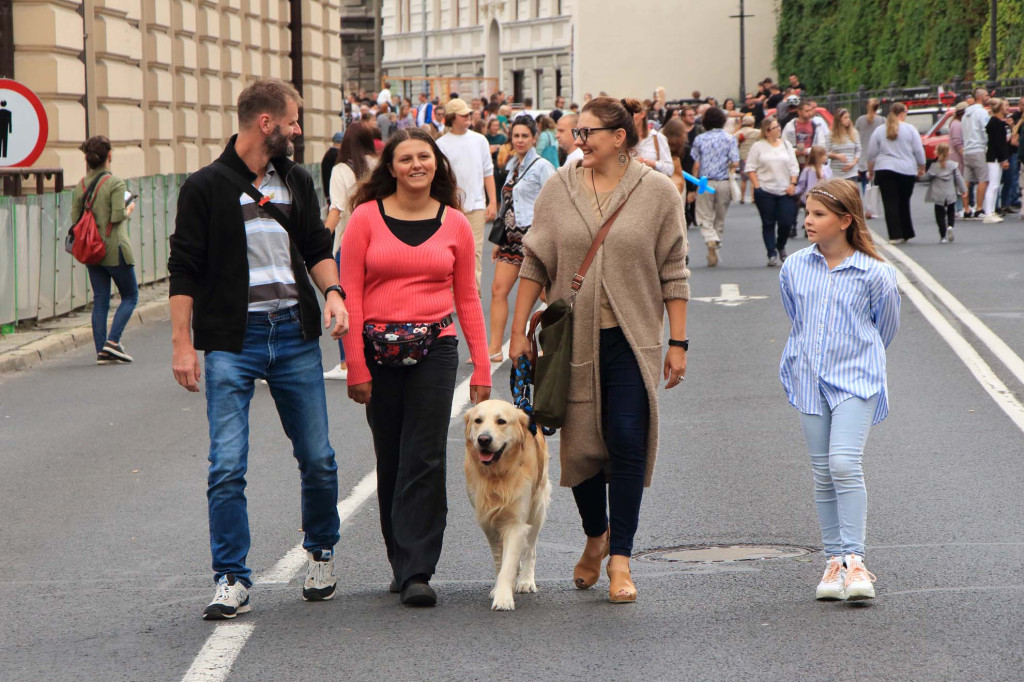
(817, 158)
(998, 106)
(842, 198)
(841, 132)
(892, 122)
(941, 154)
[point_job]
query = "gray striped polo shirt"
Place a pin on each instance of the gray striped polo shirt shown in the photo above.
(268, 247)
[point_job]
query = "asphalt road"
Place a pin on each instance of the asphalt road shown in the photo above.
(104, 555)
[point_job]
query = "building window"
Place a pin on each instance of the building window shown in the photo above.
(536, 9)
(475, 9)
(435, 13)
(538, 81)
(558, 83)
(517, 85)
(456, 13)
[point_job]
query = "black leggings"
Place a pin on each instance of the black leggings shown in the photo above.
(409, 414)
(945, 216)
(896, 190)
(626, 413)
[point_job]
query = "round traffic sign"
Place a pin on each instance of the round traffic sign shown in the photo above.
(23, 126)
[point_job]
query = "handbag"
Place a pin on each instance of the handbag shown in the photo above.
(497, 233)
(401, 344)
(873, 200)
(552, 345)
(83, 239)
(734, 185)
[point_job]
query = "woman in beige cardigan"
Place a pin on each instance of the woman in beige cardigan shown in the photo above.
(610, 435)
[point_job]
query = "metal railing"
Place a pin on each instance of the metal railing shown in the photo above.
(39, 280)
(954, 91)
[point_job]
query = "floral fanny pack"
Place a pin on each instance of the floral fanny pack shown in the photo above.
(401, 344)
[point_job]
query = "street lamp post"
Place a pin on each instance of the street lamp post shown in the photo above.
(992, 70)
(742, 16)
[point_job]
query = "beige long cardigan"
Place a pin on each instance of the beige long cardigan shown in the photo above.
(641, 265)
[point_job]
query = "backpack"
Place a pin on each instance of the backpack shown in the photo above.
(86, 244)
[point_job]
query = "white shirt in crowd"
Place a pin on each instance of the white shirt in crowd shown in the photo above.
(384, 96)
(973, 127)
(655, 148)
(343, 183)
(470, 156)
(575, 155)
(775, 166)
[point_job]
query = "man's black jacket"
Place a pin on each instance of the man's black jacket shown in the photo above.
(208, 258)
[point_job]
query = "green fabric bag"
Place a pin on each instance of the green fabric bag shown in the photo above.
(551, 376)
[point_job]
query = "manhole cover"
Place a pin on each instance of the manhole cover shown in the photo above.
(713, 554)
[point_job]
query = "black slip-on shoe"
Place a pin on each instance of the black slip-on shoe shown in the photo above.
(418, 594)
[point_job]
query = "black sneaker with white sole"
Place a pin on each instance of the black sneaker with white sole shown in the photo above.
(231, 599)
(104, 358)
(320, 580)
(116, 351)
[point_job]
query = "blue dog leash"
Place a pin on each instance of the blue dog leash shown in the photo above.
(520, 381)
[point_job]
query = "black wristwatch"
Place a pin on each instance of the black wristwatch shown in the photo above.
(684, 344)
(335, 287)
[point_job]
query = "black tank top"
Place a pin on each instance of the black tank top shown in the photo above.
(412, 232)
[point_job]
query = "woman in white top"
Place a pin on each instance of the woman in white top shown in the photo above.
(356, 159)
(653, 149)
(773, 170)
(844, 149)
(733, 116)
(895, 161)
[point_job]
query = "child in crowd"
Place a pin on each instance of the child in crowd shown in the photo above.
(814, 173)
(836, 375)
(945, 184)
(746, 136)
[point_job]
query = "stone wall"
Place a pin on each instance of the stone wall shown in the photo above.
(160, 77)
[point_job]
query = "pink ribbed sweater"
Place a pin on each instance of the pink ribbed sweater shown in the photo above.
(386, 280)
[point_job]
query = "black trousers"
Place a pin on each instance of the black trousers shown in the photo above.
(896, 190)
(626, 411)
(945, 217)
(409, 413)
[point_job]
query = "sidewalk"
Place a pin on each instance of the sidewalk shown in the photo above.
(33, 343)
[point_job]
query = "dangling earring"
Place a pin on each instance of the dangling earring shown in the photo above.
(623, 158)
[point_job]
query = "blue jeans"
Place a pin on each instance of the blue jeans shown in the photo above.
(1010, 190)
(273, 349)
(778, 216)
(123, 276)
(626, 411)
(836, 440)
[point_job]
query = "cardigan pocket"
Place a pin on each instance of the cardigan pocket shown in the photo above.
(581, 382)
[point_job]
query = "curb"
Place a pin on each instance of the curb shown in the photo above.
(31, 354)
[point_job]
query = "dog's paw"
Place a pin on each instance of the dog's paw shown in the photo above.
(503, 601)
(526, 586)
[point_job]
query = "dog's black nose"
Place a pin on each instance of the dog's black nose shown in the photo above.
(484, 440)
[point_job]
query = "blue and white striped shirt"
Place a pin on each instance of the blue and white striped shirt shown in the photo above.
(843, 320)
(268, 248)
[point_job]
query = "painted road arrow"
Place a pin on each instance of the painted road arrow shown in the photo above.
(730, 296)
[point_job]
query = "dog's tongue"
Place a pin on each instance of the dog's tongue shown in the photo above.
(485, 456)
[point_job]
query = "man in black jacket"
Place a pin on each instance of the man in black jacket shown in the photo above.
(238, 279)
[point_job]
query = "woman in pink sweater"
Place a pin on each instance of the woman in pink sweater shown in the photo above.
(408, 261)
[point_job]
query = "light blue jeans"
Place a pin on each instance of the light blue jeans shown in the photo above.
(835, 439)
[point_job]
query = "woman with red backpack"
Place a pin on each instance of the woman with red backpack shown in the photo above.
(106, 195)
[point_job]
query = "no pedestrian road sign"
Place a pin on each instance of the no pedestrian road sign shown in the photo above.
(23, 127)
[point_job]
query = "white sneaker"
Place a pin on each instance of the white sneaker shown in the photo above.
(858, 579)
(339, 373)
(231, 599)
(832, 586)
(992, 218)
(950, 236)
(960, 214)
(320, 579)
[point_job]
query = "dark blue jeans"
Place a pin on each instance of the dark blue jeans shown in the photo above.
(123, 276)
(1009, 192)
(273, 349)
(624, 404)
(778, 216)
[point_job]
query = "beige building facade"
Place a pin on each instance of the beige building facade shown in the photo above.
(544, 48)
(160, 78)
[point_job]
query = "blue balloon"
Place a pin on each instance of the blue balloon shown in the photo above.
(701, 182)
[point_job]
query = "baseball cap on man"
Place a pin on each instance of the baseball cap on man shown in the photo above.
(457, 106)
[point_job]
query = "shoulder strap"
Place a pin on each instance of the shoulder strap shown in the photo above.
(657, 147)
(577, 280)
(257, 196)
(94, 186)
(523, 174)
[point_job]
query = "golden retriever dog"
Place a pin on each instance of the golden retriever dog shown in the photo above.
(507, 481)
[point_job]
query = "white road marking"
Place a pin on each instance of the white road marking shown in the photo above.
(974, 362)
(730, 297)
(214, 661)
(213, 664)
(1013, 362)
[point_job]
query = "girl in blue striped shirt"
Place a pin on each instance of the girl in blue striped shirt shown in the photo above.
(845, 309)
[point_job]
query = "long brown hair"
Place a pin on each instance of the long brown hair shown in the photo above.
(675, 132)
(381, 183)
(892, 123)
(841, 132)
(942, 154)
(842, 198)
(356, 145)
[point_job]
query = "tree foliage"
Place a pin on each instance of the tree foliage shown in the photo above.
(846, 44)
